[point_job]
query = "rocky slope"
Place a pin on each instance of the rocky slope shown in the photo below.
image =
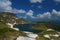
(11, 18)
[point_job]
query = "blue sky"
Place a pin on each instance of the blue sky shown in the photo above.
(33, 10)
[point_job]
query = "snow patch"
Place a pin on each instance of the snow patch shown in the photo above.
(16, 29)
(11, 26)
(47, 36)
(24, 38)
(56, 35)
(32, 35)
(50, 30)
(27, 32)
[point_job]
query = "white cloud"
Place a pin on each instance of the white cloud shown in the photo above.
(45, 15)
(57, 13)
(30, 13)
(54, 15)
(57, 0)
(35, 1)
(18, 11)
(21, 11)
(5, 6)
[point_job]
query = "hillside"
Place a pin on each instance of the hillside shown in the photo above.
(47, 25)
(8, 32)
(11, 18)
(49, 34)
(51, 30)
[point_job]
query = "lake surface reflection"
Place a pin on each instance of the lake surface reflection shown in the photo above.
(27, 27)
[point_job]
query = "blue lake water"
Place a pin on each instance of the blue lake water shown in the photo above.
(27, 27)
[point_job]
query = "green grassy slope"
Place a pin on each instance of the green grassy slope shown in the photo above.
(7, 33)
(46, 25)
(40, 27)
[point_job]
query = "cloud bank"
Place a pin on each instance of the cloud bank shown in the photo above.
(5, 6)
(54, 15)
(35, 1)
